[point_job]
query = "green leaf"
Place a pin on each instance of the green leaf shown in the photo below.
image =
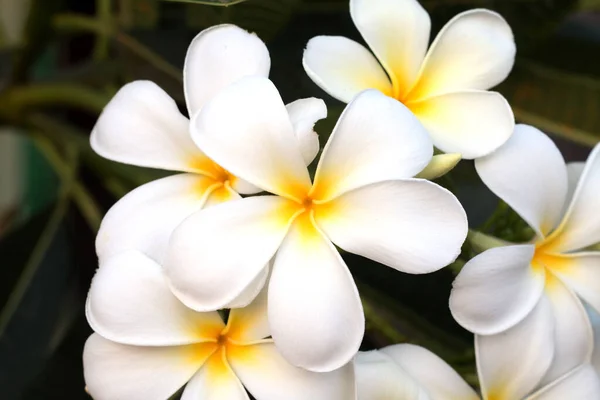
(557, 102)
(210, 2)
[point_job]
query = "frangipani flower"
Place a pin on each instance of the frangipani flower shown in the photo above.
(143, 126)
(444, 87)
(409, 372)
(505, 286)
(148, 345)
(362, 200)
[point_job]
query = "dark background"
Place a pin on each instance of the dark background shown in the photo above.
(75, 54)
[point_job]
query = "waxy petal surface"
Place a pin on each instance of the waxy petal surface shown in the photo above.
(304, 114)
(581, 383)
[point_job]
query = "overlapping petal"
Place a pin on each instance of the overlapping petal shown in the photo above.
(398, 33)
(375, 139)
(144, 218)
(268, 376)
(216, 253)
(581, 225)
(250, 323)
(496, 289)
(304, 113)
(397, 223)
(219, 56)
(247, 130)
(116, 371)
(581, 272)
(581, 383)
(470, 122)
(311, 295)
(130, 302)
(439, 165)
(512, 363)
(529, 174)
(475, 50)
(142, 126)
(432, 373)
(343, 68)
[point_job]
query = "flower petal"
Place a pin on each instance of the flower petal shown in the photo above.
(581, 273)
(496, 289)
(304, 114)
(379, 378)
(144, 218)
(573, 332)
(250, 323)
(512, 363)
(311, 295)
(430, 371)
(216, 253)
(268, 376)
(375, 139)
(219, 56)
(397, 223)
(475, 50)
(247, 130)
(581, 383)
(595, 322)
(581, 225)
(574, 172)
(116, 371)
(529, 174)
(473, 123)
(130, 302)
(221, 195)
(440, 165)
(398, 33)
(142, 126)
(343, 68)
(215, 381)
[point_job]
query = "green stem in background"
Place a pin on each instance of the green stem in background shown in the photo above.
(81, 197)
(481, 241)
(381, 324)
(82, 23)
(103, 11)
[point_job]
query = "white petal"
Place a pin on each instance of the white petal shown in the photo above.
(250, 323)
(215, 381)
(375, 139)
(220, 195)
(243, 187)
(475, 50)
(116, 371)
(304, 114)
(529, 174)
(379, 378)
(398, 223)
(582, 383)
(268, 376)
(431, 372)
(595, 322)
(573, 332)
(311, 295)
(343, 68)
(247, 130)
(496, 289)
(581, 273)
(130, 302)
(144, 218)
(440, 165)
(581, 225)
(216, 253)
(512, 363)
(398, 33)
(142, 126)
(219, 56)
(574, 172)
(473, 123)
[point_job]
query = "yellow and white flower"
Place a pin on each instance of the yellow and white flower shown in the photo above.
(148, 345)
(409, 372)
(538, 282)
(363, 200)
(445, 86)
(142, 126)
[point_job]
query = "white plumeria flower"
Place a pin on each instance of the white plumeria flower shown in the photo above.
(444, 87)
(362, 200)
(538, 283)
(148, 345)
(409, 372)
(142, 126)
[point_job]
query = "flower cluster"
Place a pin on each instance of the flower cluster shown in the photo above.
(227, 276)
